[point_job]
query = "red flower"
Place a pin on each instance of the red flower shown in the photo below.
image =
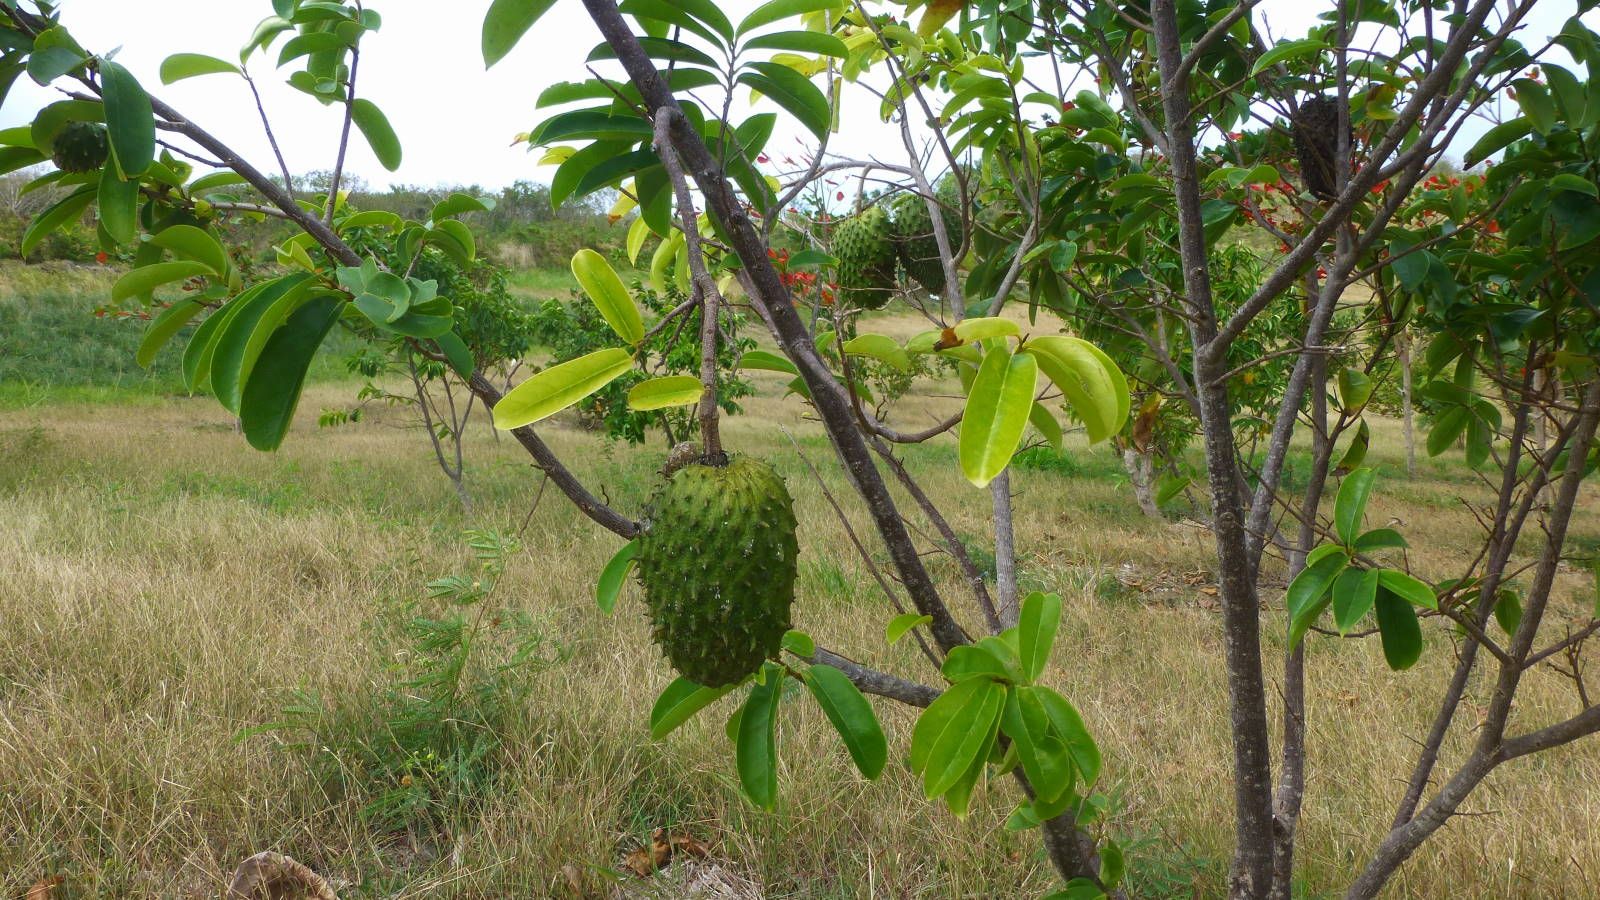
(1236, 135)
(1378, 188)
(761, 158)
(839, 196)
(1494, 227)
(101, 257)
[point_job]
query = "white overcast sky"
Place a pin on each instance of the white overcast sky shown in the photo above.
(455, 119)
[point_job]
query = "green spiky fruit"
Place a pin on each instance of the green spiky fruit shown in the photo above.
(80, 147)
(913, 234)
(864, 247)
(717, 559)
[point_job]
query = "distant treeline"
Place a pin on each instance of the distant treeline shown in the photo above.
(521, 231)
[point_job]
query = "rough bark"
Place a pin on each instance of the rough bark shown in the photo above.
(1250, 873)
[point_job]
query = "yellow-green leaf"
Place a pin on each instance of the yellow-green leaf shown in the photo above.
(974, 330)
(193, 243)
(145, 279)
(560, 386)
(1092, 385)
(996, 413)
(610, 296)
(880, 347)
(666, 391)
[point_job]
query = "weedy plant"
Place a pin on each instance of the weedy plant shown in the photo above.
(424, 749)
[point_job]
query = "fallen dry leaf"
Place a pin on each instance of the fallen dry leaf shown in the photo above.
(645, 861)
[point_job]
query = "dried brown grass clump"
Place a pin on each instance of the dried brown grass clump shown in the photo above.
(273, 876)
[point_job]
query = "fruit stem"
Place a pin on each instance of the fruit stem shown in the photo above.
(705, 290)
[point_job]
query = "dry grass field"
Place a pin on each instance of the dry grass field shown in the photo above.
(164, 589)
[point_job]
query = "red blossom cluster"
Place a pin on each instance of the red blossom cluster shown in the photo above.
(800, 284)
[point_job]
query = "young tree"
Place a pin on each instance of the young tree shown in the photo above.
(1014, 191)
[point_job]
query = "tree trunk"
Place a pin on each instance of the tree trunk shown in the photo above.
(1250, 875)
(1407, 414)
(1005, 550)
(1286, 803)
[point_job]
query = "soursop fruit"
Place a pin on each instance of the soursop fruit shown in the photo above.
(80, 147)
(913, 234)
(864, 246)
(717, 560)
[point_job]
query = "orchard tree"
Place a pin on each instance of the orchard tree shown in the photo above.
(1086, 158)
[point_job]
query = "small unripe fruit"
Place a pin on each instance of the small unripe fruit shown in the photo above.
(81, 147)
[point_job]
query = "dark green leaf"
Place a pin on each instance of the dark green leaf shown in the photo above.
(179, 66)
(1307, 596)
(1407, 588)
(757, 750)
(612, 577)
(1353, 594)
(1508, 612)
(380, 135)
(1287, 51)
(141, 281)
(1496, 139)
(456, 352)
(800, 42)
(163, 327)
(678, 704)
(246, 333)
(1380, 539)
(194, 244)
(1447, 428)
(119, 205)
(64, 211)
(1400, 631)
(673, 13)
(792, 91)
(506, 23)
(130, 120)
(273, 391)
(1036, 632)
(1068, 725)
(773, 11)
(14, 158)
(664, 49)
(458, 204)
(1536, 104)
(1045, 759)
(937, 738)
(1351, 504)
(971, 661)
(851, 716)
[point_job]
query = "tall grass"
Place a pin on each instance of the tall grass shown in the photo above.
(163, 590)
